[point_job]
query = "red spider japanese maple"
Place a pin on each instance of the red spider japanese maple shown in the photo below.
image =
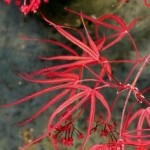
(140, 136)
(75, 94)
(115, 146)
(27, 6)
(146, 3)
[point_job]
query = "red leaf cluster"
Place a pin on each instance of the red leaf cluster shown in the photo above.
(27, 6)
(79, 92)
